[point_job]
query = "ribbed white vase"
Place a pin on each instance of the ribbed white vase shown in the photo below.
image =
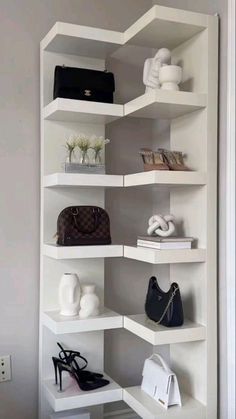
(69, 294)
(89, 303)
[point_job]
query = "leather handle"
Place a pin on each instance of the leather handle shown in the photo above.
(93, 228)
(162, 362)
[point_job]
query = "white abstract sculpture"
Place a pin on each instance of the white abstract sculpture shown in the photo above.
(89, 303)
(160, 225)
(152, 67)
(69, 294)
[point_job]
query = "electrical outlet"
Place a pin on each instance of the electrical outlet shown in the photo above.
(5, 368)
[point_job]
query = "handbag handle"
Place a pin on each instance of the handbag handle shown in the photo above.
(162, 362)
(96, 215)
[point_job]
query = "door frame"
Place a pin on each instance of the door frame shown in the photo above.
(230, 213)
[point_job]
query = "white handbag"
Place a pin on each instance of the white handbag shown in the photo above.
(160, 382)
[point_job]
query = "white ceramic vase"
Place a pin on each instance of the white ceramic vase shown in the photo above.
(170, 76)
(69, 294)
(89, 303)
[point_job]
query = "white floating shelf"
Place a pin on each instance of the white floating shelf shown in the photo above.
(153, 177)
(61, 324)
(67, 38)
(162, 104)
(164, 256)
(147, 408)
(74, 398)
(82, 252)
(159, 26)
(140, 326)
(79, 179)
(165, 26)
(165, 177)
(71, 110)
(165, 104)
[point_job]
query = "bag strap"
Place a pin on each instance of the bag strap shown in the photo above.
(168, 304)
(96, 216)
(162, 362)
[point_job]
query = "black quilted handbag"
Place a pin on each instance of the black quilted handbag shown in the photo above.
(164, 307)
(83, 225)
(83, 84)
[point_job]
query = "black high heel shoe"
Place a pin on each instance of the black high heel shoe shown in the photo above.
(85, 375)
(69, 357)
(85, 383)
(66, 354)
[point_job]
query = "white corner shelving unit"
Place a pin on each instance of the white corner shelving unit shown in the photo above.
(192, 115)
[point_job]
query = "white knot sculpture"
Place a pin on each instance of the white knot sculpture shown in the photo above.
(160, 225)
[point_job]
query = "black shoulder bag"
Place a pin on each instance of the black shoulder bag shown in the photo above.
(164, 307)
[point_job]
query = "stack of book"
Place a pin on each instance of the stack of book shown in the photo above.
(165, 243)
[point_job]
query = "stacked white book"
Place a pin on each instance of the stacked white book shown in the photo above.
(165, 243)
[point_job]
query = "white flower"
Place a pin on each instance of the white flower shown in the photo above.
(99, 143)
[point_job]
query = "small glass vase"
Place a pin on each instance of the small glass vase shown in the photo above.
(84, 157)
(71, 157)
(97, 158)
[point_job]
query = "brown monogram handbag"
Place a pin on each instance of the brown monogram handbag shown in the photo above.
(82, 226)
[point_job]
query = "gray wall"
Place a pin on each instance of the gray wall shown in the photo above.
(23, 25)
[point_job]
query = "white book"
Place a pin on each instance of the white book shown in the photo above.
(171, 239)
(164, 245)
(161, 243)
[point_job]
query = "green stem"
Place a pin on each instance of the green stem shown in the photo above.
(70, 155)
(98, 157)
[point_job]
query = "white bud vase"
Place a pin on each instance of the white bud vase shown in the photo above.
(89, 302)
(69, 294)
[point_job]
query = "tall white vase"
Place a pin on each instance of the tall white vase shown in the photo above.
(89, 303)
(69, 294)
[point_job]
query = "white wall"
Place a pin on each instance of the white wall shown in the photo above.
(23, 24)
